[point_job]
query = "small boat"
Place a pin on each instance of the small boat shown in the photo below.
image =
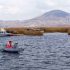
(4, 33)
(11, 50)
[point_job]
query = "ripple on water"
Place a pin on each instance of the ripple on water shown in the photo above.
(48, 52)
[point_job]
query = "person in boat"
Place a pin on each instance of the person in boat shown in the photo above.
(15, 45)
(9, 44)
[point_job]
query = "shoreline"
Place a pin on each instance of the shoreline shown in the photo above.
(37, 30)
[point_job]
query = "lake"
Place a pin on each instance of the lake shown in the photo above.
(48, 52)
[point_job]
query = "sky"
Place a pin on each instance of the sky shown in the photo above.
(27, 9)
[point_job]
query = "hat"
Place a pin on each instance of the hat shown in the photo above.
(10, 41)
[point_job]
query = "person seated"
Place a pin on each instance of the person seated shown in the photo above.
(9, 44)
(15, 45)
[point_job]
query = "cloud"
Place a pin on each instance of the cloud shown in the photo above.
(18, 9)
(27, 9)
(11, 10)
(49, 3)
(46, 5)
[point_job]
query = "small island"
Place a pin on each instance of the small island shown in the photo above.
(37, 30)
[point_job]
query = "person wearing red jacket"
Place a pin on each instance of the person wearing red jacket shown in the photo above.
(9, 44)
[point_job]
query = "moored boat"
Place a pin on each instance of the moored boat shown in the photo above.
(4, 33)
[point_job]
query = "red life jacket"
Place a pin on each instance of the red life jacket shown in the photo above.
(9, 45)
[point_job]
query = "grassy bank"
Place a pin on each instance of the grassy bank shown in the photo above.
(55, 29)
(38, 31)
(25, 31)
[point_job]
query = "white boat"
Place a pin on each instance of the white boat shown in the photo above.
(14, 49)
(11, 50)
(4, 33)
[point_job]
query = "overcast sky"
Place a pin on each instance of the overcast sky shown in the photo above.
(27, 9)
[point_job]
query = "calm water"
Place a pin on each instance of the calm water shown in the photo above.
(48, 52)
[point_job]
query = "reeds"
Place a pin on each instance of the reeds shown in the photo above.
(25, 31)
(38, 31)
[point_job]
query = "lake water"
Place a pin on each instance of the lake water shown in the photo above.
(48, 52)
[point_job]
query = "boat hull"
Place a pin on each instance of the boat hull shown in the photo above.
(11, 50)
(3, 35)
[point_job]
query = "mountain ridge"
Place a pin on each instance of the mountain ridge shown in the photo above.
(51, 18)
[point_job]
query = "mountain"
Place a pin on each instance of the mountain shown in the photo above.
(51, 18)
(56, 13)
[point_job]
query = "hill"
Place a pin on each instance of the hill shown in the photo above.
(52, 18)
(49, 19)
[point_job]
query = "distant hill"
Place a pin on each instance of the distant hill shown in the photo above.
(56, 13)
(51, 18)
